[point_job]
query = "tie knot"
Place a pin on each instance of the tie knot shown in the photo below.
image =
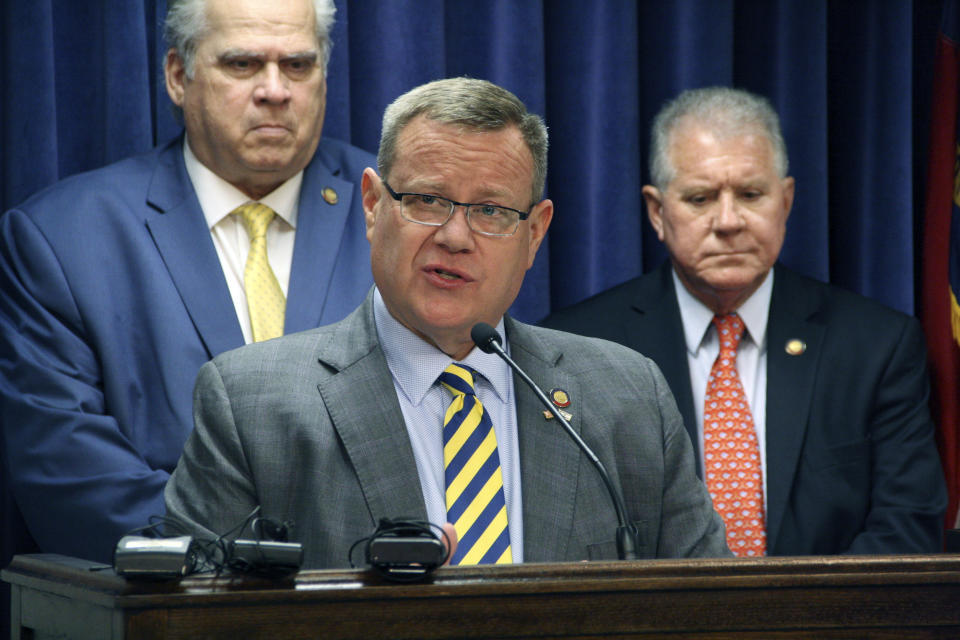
(729, 331)
(458, 378)
(256, 217)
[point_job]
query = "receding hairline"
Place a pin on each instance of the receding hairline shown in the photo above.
(187, 24)
(724, 111)
(460, 128)
(721, 131)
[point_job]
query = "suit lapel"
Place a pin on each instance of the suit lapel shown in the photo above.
(183, 240)
(549, 459)
(363, 407)
(790, 384)
(658, 334)
(320, 228)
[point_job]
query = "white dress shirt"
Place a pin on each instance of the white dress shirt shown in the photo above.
(217, 199)
(703, 348)
(415, 366)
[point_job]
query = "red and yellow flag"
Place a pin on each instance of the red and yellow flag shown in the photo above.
(941, 252)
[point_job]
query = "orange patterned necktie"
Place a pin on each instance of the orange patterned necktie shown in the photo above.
(731, 453)
(265, 299)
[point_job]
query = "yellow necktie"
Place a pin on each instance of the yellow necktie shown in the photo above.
(265, 299)
(474, 495)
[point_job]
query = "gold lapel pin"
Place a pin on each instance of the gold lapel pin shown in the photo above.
(330, 195)
(560, 398)
(795, 347)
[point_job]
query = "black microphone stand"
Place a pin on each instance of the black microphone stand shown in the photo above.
(487, 338)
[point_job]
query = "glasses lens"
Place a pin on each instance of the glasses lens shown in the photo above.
(426, 209)
(493, 220)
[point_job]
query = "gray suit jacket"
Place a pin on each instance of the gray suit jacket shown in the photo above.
(308, 426)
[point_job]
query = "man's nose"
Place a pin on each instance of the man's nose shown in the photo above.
(727, 215)
(455, 234)
(273, 86)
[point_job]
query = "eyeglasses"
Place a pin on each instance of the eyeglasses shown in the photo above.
(434, 211)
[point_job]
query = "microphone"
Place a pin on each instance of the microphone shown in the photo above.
(487, 338)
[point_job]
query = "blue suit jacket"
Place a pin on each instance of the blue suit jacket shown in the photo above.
(112, 298)
(852, 466)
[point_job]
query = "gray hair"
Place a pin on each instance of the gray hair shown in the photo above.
(477, 105)
(724, 111)
(186, 25)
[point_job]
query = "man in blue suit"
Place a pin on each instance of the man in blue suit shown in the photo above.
(117, 285)
(836, 384)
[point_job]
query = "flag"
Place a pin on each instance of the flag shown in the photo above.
(940, 289)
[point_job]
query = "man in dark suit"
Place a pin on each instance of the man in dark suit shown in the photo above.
(117, 285)
(837, 384)
(393, 412)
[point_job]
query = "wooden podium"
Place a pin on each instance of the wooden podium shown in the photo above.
(813, 597)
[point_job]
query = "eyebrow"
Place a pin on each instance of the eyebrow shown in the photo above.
(698, 184)
(431, 187)
(310, 55)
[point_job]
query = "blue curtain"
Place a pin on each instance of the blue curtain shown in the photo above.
(82, 87)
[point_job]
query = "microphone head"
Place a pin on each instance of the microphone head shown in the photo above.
(485, 337)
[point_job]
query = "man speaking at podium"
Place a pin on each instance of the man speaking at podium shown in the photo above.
(392, 412)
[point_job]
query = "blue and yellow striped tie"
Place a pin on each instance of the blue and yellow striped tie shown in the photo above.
(475, 502)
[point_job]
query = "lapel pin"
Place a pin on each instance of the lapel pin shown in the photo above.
(795, 347)
(567, 416)
(560, 398)
(330, 195)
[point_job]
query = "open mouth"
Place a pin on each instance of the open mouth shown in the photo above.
(447, 275)
(442, 275)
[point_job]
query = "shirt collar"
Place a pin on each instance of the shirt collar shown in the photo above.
(696, 316)
(218, 197)
(415, 364)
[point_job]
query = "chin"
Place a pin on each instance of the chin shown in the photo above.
(281, 169)
(446, 321)
(269, 156)
(733, 271)
(735, 282)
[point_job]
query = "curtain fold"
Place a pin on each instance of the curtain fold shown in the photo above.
(593, 114)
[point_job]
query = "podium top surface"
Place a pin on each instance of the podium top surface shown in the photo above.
(835, 596)
(64, 574)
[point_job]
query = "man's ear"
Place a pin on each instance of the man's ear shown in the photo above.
(654, 200)
(175, 76)
(788, 190)
(539, 220)
(370, 194)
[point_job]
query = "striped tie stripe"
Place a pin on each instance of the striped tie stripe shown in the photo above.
(474, 495)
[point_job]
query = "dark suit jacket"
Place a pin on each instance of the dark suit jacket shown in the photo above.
(111, 298)
(852, 466)
(309, 427)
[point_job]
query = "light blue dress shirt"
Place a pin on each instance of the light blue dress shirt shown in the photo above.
(415, 365)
